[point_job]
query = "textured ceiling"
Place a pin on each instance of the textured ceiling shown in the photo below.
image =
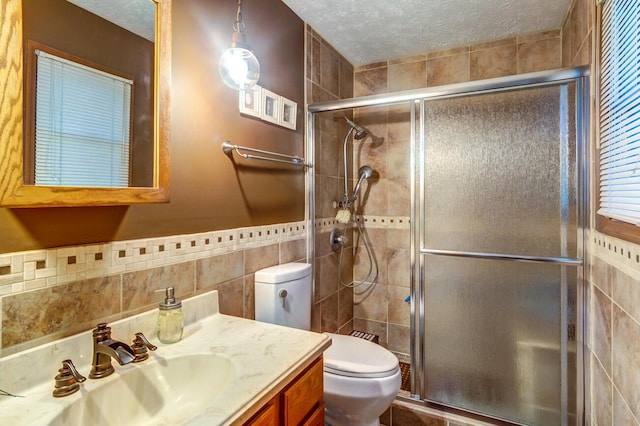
(137, 16)
(366, 31)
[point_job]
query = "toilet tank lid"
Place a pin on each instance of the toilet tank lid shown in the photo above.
(282, 273)
(358, 357)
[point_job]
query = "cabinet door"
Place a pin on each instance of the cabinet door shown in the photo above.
(317, 417)
(268, 415)
(305, 394)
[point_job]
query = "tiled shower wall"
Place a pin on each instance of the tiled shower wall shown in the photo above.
(42, 290)
(384, 310)
(329, 76)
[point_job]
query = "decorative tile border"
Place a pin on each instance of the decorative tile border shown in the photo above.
(24, 271)
(619, 253)
(376, 222)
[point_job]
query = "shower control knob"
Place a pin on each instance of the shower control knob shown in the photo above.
(283, 295)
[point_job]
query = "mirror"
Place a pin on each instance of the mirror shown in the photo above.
(137, 51)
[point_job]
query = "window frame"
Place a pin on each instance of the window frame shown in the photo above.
(612, 227)
(31, 70)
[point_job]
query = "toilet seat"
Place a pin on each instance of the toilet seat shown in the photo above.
(354, 357)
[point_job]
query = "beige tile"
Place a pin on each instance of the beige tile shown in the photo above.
(374, 120)
(626, 292)
(540, 35)
(409, 75)
(328, 151)
(399, 310)
(231, 297)
(399, 123)
(399, 267)
(34, 314)
(372, 155)
(329, 314)
(448, 69)
(326, 276)
(374, 197)
(579, 25)
(373, 327)
(249, 297)
(398, 339)
(293, 251)
(539, 55)
(346, 79)
(327, 191)
(370, 302)
(448, 52)
(601, 328)
(494, 62)
(566, 43)
(361, 265)
(217, 269)
(398, 197)
(583, 57)
(602, 273)
(329, 69)
(492, 44)
(407, 59)
(322, 244)
(398, 238)
(398, 160)
(139, 289)
(373, 65)
(621, 412)
(315, 318)
(315, 60)
(626, 362)
(403, 416)
(370, 82)
(601, 397)
(345, 306)
(347, 328)
(261, 257)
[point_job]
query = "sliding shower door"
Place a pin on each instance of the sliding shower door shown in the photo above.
(499, 211)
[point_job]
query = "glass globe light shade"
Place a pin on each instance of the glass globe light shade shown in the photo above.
(239, 68)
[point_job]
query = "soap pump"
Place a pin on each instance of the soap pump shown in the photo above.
(170, 318)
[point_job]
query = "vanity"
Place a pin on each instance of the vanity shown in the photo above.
(225, 371)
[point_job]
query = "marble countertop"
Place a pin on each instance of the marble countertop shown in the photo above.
(264, 357)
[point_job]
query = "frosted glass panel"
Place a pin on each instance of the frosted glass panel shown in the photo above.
(500, 173)
(500, 176)
(492, 337)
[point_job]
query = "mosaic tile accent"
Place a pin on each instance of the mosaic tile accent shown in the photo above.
(24, 271)
(374, 222)
(621, 254)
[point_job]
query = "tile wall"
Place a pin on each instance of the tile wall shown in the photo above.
(613, 362)
(42, 290)
(383, 310)
(329, 76)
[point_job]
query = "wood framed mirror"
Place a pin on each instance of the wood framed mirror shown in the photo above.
(147, 177)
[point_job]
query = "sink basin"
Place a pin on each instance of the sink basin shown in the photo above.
(159, 391)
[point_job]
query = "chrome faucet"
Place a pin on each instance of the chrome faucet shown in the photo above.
(105, 348)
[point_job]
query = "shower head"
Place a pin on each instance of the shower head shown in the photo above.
(360, 132)
(365, 172)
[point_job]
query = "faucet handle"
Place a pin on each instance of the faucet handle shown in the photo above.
(68, 380)
(140, 345)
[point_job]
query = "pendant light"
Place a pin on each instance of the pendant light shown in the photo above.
(238, 66)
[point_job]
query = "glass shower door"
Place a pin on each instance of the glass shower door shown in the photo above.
(499, 252)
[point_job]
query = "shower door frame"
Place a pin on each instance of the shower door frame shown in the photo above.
(416, 99)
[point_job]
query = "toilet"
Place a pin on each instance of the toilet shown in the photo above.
(361, 378)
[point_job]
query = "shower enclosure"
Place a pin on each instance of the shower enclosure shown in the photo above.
(498, 182)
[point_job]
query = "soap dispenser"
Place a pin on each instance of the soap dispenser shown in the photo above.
(170, 318)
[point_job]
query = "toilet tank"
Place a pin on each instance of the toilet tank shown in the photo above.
(283, 295)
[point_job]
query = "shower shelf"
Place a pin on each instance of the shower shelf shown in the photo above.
(228, 148)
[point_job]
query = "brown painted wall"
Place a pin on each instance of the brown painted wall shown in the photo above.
(207, 191)
(73, 30)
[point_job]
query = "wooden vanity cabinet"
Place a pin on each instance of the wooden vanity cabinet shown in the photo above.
(300, 402)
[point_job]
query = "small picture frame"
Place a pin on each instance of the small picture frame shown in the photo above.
(270, 106)
(250, 101)
(288, 113)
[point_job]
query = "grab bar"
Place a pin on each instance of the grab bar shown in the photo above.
(228, 148)
(497, 256)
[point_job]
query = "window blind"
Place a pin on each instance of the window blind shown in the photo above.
(82, 125)
(620, 111)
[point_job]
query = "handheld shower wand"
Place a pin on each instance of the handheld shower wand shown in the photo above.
(365, 172)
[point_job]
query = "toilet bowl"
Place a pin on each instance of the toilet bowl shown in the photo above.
(361, 378)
